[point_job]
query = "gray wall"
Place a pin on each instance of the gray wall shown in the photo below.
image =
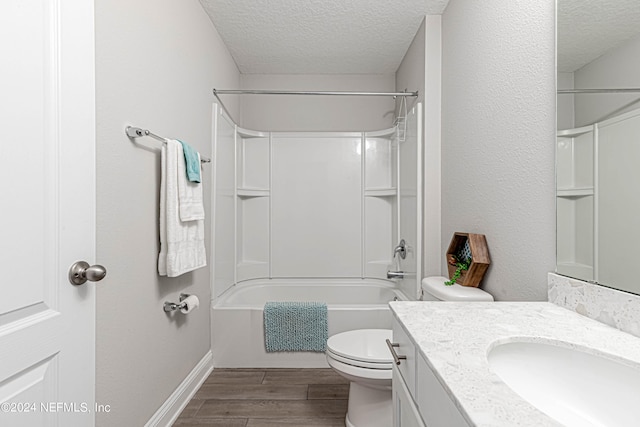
(411, 72)
(620, 67)
(317, 113)
(154, 70)
(498, 120)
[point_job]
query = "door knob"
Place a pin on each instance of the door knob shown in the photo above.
(81, 271)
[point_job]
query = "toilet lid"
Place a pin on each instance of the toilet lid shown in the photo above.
(436, 288)
(364, 345)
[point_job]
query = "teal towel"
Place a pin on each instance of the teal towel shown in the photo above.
(192, 160)
(295, 326)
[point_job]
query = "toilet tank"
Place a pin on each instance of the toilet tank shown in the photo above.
(434, 289)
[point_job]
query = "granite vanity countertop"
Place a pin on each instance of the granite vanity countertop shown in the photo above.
(455, 338)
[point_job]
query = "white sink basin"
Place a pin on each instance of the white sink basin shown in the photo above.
(573, 386)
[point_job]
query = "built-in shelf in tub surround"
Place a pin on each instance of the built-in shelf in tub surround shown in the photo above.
(455, 338)
(611, 306)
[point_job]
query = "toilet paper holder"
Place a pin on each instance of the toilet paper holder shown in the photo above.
(172, 306)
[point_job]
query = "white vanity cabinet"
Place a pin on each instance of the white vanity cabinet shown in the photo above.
(405, 410)
(419, 400)
(434, 404)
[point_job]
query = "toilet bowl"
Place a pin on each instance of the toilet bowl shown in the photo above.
(362, 357)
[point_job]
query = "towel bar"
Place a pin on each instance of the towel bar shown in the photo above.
(134, 132)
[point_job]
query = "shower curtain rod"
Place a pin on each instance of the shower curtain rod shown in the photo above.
(296, 92)
(618, 90)
(217, 92)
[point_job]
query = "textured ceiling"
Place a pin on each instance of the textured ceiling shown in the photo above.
(319, 36)
(588, 28)
(372, 36)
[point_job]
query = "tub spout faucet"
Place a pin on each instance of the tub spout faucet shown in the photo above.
(396, 274)
(400, 249)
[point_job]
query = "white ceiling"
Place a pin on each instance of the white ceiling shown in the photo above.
(372, 36)
(319, 36)
(588, 28)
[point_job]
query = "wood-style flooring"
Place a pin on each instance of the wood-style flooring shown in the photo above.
(268, 398)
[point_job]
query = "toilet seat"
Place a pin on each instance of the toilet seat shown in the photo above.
(358, 363)
(359, 374)
(363, 348)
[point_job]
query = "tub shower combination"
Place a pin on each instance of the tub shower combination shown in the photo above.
(310, 217)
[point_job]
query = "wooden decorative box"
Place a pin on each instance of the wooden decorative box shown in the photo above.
(473, 246)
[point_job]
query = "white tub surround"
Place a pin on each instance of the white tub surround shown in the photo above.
(315, 204)
(237, 331)
(615, 308)
(333, 196)
(455, 338)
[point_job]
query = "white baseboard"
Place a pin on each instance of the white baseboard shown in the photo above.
(167, 414)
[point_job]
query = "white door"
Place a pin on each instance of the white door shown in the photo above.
(410, 201)
(47, 190)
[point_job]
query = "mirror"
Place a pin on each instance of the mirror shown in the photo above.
(598, 142)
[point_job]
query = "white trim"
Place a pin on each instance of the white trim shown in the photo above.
(215, 110)
(283, 135)
(248, 133)
(237, 144)
(363, 218)
(270, 205)
(420, 192)
(568, 133)
(596, 201)
(380, 133)
(619, 118)
(167, 414)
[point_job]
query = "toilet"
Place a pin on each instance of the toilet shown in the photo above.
(362, 357)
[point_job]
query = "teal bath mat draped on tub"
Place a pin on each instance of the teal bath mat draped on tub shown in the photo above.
(295, 326)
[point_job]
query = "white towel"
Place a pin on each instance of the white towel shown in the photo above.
(181, 242)
(189, 193)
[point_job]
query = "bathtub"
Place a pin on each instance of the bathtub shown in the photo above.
(237, 333)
